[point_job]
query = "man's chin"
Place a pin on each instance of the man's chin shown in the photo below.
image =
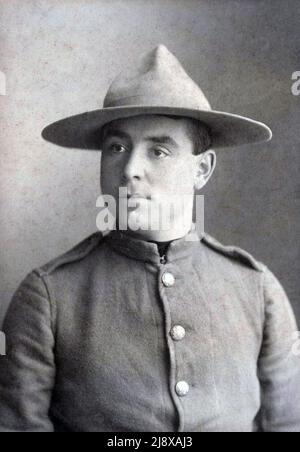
(137, 222)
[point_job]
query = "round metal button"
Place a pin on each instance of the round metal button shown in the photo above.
(177, 333)
(168, 279)
(182, 388)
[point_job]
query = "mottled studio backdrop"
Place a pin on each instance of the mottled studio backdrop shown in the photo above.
(60, 56)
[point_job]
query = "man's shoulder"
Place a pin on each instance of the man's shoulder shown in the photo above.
(76, 254)
(217, 250)
(234, 254)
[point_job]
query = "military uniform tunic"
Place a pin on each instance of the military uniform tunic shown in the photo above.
(112, 337)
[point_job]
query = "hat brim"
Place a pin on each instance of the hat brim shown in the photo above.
(227, 129)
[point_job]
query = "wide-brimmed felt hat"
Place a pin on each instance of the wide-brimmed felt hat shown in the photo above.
(157, 84)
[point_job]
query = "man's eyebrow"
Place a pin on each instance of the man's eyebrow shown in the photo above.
(162, 139)
(116, 133)
(158, 139)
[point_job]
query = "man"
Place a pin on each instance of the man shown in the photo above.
(152, 329)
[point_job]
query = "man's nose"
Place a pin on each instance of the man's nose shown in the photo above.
(134, 167)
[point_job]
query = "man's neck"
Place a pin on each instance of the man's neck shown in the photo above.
(161, 236)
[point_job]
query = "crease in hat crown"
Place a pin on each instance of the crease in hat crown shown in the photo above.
(156, 84)
(157, 80)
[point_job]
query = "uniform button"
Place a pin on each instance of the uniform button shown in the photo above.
(168, 279)
(177, 333)
(182, 388)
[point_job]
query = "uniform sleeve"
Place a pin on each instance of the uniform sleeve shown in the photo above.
(27, 372)
(279, 362)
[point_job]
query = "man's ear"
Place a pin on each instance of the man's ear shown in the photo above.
(206, 164)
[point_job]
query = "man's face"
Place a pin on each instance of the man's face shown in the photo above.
(152, 156)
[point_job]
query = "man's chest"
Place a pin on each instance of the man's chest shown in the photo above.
(119, 346)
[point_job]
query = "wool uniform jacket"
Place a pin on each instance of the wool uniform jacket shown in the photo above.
(111, 337)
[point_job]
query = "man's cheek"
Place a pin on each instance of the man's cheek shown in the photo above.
(174, 187)
(110, 184)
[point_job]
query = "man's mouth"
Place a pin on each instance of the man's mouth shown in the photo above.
(137, 196)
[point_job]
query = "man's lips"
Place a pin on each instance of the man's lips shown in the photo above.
(136, 200)
(132, 193)
(137, 196)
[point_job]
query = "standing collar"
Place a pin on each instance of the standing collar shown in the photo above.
(142, 250)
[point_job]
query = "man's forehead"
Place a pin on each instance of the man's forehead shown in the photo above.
(157, 124)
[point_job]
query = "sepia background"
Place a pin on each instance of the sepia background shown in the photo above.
(59, 58)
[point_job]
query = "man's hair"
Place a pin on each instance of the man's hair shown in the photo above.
(198, 133)
(197, 130)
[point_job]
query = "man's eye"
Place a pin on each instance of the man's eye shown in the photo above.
(117, 148)
(159, 153)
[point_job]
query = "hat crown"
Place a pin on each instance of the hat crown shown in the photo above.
(158, 79)
(156, 85)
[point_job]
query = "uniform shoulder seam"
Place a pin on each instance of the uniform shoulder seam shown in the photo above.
(78, 252)
(234, 252)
